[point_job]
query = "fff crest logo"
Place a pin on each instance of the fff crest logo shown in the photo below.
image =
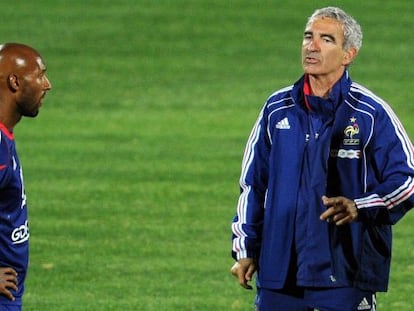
(351, 131)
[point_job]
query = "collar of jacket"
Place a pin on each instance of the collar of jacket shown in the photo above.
(337, 94)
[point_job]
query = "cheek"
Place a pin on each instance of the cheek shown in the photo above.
(303, 52)
(31, 93)
(335, 58)
(36, 87)
(38, 82)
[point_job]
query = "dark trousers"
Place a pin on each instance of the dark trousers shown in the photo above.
(310, 299)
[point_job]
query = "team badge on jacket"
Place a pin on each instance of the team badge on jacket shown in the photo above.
(350, 132)
(351, 138)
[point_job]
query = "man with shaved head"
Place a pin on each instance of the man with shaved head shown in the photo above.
(23, 84)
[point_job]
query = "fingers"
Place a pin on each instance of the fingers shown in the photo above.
(7, 293)
(244, 278)
(250, 272)
(238, 271)
(340, 210)
(8, 280)
(243, 270)
(8, 270)
(343, 220)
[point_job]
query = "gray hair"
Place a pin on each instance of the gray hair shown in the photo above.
(352, 30)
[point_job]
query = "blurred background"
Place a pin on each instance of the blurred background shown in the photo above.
(132, 166)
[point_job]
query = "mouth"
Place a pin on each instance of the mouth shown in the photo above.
(311, 60)
(41, 99)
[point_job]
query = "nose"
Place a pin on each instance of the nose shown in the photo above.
(312, 45)
(47, 84)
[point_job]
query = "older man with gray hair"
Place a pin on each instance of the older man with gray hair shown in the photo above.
(328, 168)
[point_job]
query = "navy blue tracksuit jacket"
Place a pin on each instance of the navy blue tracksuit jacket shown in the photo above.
(351, 145)
(14, 226)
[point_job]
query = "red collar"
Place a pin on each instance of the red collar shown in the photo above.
(6, 131)
(307, 90)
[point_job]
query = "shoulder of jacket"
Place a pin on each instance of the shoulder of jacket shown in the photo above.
(365, 99)
(280, 97)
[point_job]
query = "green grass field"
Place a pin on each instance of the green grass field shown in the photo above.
(132, 166)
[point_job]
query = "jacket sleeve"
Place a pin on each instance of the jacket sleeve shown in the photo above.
(248, 222)
(392, 160)
(5, 167)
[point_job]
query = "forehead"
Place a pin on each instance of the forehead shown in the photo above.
(34, 62)
(326, 25)
(40, 63)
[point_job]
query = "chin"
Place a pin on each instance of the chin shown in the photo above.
(313, 72)
(31, 114)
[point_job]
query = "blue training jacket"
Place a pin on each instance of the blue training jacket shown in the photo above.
(14, 227)
(360, 151)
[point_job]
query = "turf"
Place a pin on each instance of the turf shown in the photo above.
(132, 166)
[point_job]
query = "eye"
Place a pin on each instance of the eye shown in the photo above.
(42, 74)
(307, 36)
(328, 39)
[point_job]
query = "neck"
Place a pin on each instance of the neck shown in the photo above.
(322, 85)
(8, 117)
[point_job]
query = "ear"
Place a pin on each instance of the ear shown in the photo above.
(13, 82)
(350, 55)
